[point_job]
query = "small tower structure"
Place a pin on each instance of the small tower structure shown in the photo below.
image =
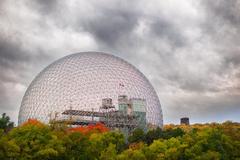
(184, 121)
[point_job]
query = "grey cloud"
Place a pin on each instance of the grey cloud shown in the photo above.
(15, 57)
(11, 53)
(232, 58)
(219, 32)
(45, 7)
(224, 11)
(164, 29)
(111, 25)
(107, 24)
(222, 25)
(2, 3)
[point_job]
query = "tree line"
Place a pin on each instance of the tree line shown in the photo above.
(35, 140)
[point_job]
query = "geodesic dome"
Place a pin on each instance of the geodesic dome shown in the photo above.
(81, 81)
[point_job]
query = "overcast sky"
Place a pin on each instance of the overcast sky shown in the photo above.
(189, 50)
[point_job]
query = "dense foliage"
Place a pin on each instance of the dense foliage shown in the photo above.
(5, 123)
(34, 140)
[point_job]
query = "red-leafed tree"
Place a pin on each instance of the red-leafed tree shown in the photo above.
(31, 121)
(99, 127)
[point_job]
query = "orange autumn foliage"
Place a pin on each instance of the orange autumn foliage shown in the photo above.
(99, 127)
(32, 122)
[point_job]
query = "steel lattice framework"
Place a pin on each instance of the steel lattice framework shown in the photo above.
(81, 81)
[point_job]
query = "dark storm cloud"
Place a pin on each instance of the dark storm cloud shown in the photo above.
(45, 7)
(110, 25)
(115, 28)
(164, 29)
(232, 58)
(11, 53)
(223, 19)
(225, 12)
(14, 56)
(222, 25)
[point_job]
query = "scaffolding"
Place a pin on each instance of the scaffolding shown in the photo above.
(124, 119)
(112, 119)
